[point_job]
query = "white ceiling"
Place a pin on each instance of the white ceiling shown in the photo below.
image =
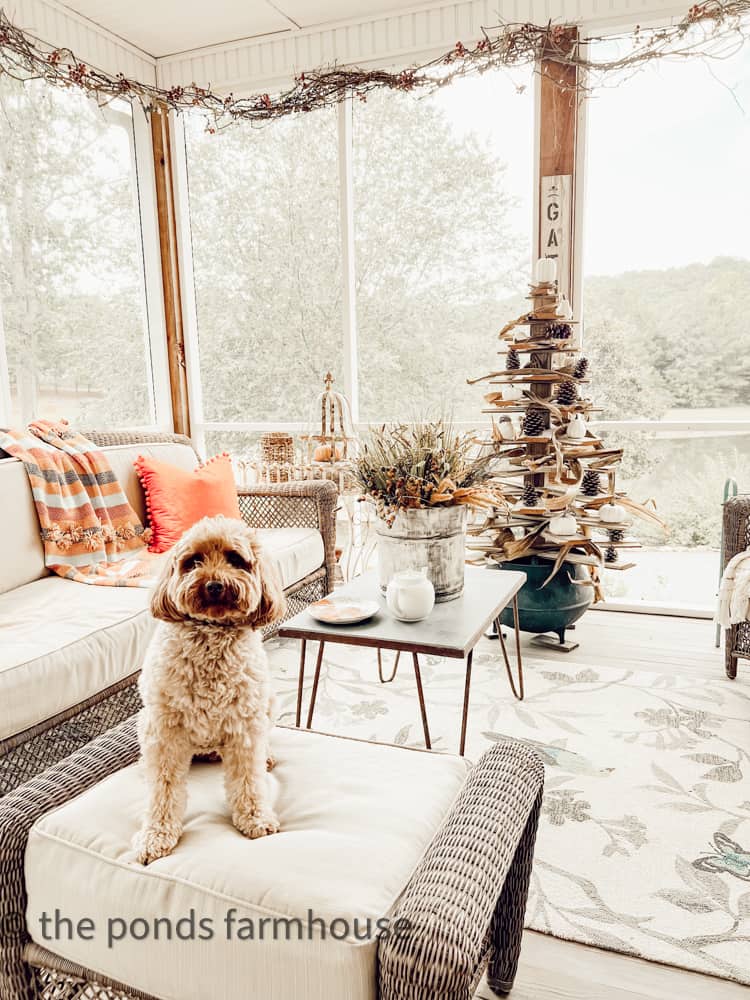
(165, 27)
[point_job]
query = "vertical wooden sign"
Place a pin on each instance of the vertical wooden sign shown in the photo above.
(556, 226)
(557, 156)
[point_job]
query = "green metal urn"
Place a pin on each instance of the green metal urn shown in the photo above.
(553, 608)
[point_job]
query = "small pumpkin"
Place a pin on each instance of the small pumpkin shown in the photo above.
(325, 452)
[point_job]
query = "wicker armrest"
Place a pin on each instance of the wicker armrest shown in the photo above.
(19, 810)
(466, 900)
(106, 439)
(735, 539)
(736, 517)
(308, 503)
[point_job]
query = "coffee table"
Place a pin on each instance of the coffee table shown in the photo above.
(452, 630)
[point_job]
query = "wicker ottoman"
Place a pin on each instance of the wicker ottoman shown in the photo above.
(397, 873)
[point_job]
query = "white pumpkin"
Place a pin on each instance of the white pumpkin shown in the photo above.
(563, 525)
(612, 513)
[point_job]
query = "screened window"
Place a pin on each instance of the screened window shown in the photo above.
(441, 250)
(667, 291)
(72, 287)
(264, 213)
(442, 224)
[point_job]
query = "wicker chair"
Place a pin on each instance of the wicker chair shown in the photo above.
(736, 538)
(300, 504)
(466, 898)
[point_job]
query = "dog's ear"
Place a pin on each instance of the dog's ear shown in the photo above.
(272, 605)
(162, 605)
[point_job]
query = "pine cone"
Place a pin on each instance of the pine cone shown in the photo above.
(611, 555)
(581, 368)
(533, 423)
(591, 484)
(616, 534)
(512, 361)
(558, 331)
(567, 394)
(530, 495)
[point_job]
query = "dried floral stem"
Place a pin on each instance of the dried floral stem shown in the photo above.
(425, 464)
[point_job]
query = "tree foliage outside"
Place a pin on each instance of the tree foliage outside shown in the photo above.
(670, 345)
(264, 211)
(441, 264)
(435, 256)
(670, 340)
(71, 265)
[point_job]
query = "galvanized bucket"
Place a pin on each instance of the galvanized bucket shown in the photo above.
(434, 537)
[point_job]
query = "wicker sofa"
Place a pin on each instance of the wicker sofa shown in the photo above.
(736, 538)
(70, 654)
(422, 838)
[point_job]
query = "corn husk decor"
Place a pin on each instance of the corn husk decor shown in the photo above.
(425, 464)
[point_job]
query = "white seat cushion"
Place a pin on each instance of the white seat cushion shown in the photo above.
(355, 820)
(297, 551)
(62, 642)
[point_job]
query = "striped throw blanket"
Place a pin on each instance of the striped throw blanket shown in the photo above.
(91, 534)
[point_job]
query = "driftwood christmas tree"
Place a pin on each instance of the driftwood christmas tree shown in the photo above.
(558, 479)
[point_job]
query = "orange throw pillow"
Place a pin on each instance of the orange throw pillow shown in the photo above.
(176, 499)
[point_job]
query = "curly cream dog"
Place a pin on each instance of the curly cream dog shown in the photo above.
(205, 683)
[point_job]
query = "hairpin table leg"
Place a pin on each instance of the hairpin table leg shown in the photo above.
(517, 691)
(465, 713)
(422, 709)
(301, 682)
(387, 680)
(316, 678)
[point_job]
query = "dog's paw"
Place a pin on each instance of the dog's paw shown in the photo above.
(152, 843)
(257, 824)
(270, 763)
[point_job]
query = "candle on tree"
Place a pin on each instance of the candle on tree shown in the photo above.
(546, 270)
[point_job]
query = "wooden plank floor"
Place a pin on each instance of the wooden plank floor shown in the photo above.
(552, 969)
(649, 642)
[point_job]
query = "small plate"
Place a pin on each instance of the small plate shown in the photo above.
(340, 611)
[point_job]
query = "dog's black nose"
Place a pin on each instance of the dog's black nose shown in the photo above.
(214, 589)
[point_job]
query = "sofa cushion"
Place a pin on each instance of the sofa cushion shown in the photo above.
(297, 551)
(177, 498)
(122, 459)
(62, 642)
(355, 820)
(22, 552)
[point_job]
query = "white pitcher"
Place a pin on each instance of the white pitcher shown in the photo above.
(410, 596)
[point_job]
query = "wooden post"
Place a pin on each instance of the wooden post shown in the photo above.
(558, 136)
(170, 272)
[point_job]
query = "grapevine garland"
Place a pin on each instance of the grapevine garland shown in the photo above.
(714, 28)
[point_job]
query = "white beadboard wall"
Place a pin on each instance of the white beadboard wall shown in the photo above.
(255, 63)
(250, 64)
(56, 24)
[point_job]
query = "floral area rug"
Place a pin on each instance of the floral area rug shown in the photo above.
(644, 840)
